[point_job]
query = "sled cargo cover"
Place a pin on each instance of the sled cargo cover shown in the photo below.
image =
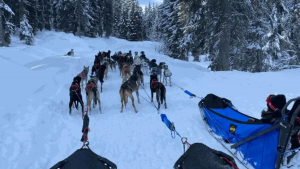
(230, 124)
(199, 156)
(85, 159)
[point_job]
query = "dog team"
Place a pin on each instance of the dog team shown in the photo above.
(132, 70)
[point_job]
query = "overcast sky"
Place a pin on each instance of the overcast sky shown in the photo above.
(146, 2)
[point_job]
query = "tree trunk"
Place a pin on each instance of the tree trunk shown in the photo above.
(196, 58)
(224, 48)
(2, 40)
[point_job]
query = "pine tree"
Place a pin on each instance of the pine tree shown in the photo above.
(64, 16)
(171, 29)
(124, 21)
(154, 29)
(100, 14)
(108, 18)
(117, 11)
(6, 27)
(82, 19)
(132, 32)
(294, 8)
(95, 22)
(26, 31)
(138, 22)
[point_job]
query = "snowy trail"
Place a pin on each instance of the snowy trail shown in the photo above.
(37, 131)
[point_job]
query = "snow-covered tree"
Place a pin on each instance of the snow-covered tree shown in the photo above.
(26, 31)
(6, 27)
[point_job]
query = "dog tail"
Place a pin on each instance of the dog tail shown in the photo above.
(95, 97)
(162, 94)
(121, 92)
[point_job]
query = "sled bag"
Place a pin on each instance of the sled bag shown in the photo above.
(200, 156)
(84, 159)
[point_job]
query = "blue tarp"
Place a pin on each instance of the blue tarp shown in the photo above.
(260, 152)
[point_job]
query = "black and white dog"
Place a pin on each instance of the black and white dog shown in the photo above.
(75, 94)
(71, 53)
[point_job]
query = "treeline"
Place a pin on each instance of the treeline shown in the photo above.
(246, 35)
(92, 18)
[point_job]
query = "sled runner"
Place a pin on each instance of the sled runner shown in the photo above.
(263, 145)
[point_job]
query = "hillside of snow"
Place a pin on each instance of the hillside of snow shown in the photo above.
(37, 130)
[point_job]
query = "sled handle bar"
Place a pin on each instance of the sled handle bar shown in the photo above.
(287, 104)
(295, 115)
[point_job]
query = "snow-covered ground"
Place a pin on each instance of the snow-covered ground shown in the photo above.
(37, 130)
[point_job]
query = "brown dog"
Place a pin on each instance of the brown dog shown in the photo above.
(92, 93)
(84, 76)
(106, 68)
(125, 72)
(126, 91)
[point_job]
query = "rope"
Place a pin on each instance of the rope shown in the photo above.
(86, 111)
(85, 130)
(145, 98)
(85, 138)
(178, 86)
(166, 120)
(187, 92)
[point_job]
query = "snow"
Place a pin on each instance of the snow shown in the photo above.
(37, 130)
(7, 8)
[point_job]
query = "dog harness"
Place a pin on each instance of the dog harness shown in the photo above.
(92, 85)
(76, 86)
(145, 64)
(126, 68)
(82, 75)
(155, 83)
(168, 75)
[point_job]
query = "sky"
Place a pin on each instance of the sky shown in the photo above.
(146, 2)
